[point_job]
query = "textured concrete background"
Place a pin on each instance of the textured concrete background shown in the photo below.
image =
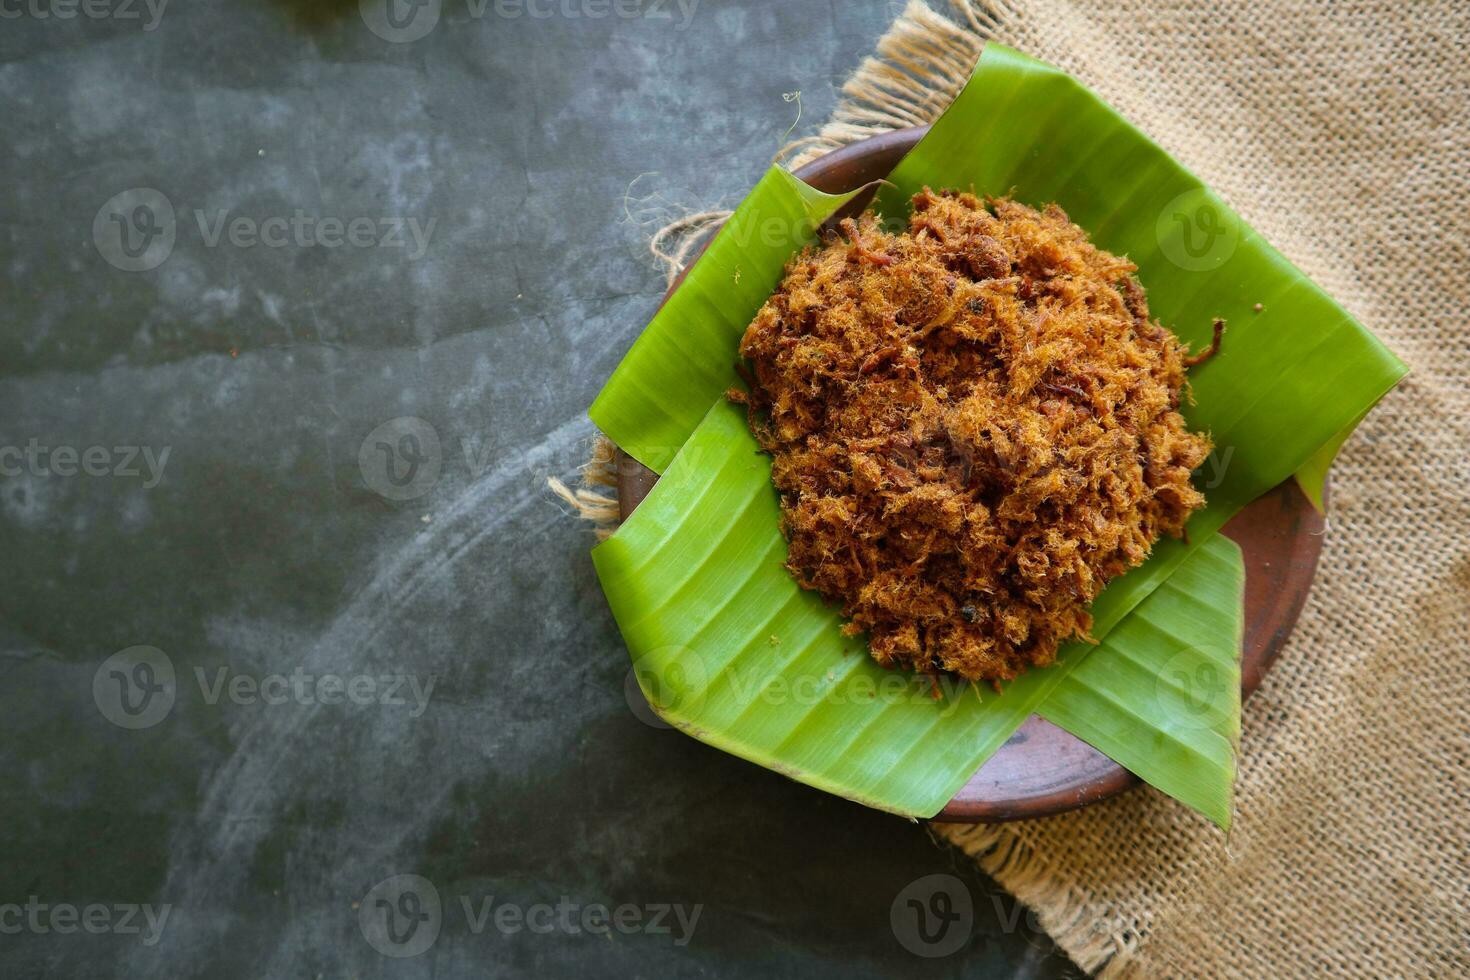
(194, 369)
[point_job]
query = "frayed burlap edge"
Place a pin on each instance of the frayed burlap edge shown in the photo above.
(921, 64)
(1066, 914)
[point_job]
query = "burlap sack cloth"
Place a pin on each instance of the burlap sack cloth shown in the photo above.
(1339, 131)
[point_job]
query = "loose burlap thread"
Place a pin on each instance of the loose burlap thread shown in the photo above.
(1339, 131)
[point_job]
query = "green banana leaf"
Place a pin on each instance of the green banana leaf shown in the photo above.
(685, 358)
(694, 578)
(731, 650)
(1161, 695)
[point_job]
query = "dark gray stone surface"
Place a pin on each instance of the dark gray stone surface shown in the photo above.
(187, 467)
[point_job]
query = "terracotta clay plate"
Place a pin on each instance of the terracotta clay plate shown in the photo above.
(1042, 769)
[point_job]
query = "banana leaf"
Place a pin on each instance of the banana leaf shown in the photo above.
(685, 359)
(695, 575)
(731, 650)
(728, 648)
(1161, 695)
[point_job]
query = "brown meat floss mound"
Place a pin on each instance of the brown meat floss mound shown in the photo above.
(973, 426)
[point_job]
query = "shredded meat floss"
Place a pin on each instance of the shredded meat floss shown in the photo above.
(973, 427)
